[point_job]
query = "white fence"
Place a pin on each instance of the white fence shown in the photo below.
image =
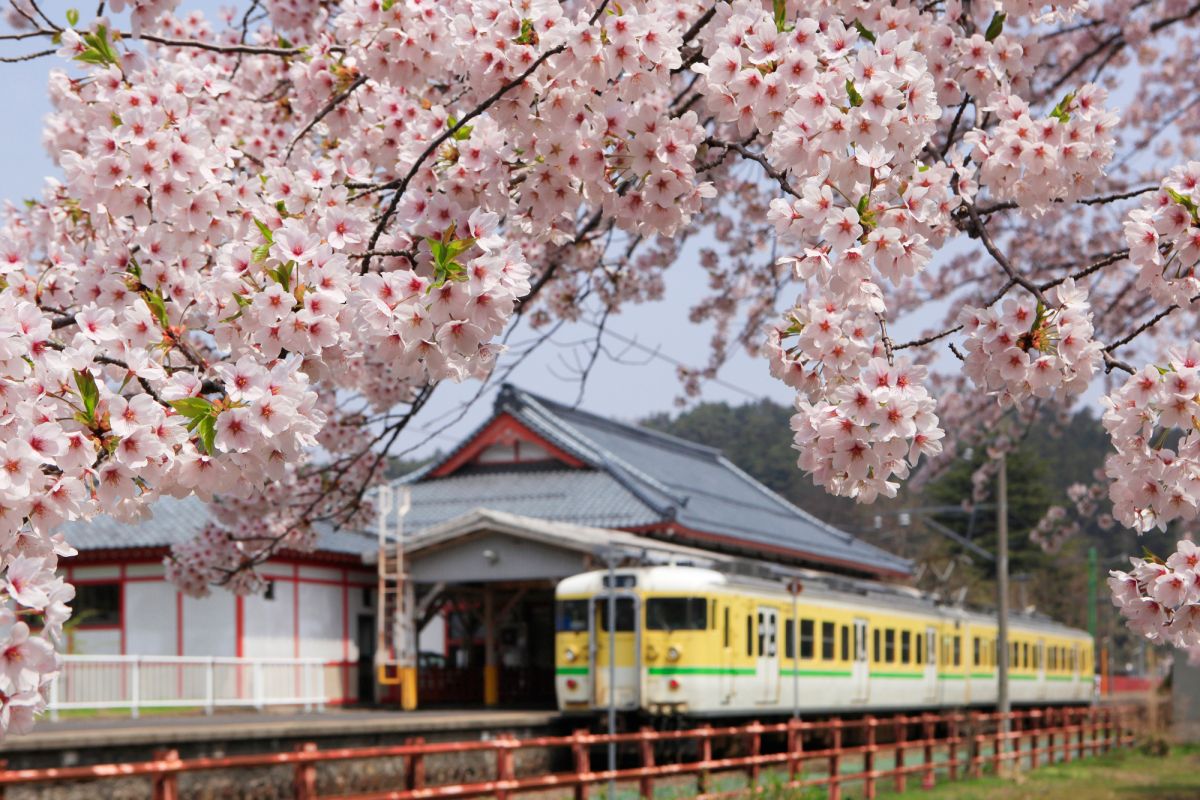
(140, 682)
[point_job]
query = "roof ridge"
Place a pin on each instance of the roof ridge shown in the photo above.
(632, 427)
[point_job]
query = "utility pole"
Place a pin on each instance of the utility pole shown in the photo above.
(1002, 702)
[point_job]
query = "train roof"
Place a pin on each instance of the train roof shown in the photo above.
(814, 584)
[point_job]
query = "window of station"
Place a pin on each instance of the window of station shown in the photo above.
(677, 614)
(806, 638)
(889, 645)
(828, 641)
(905, 647)
(845, 643)
(98, 605)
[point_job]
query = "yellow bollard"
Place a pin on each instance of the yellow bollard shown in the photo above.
(491, 685)
(408, 688)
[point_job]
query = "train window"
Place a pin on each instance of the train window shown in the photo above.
(806, 638)
(749, 635)
(845, 643)
(889, 645)
(789, 639)
(625, 615)
(677, 614)
(1025, 655)
(828, 640)
(975, 643)
(571, 615)
(878, 651)
(905, 647)
(713, 614)
(1074, 657)
(727, 626)
(958, 651)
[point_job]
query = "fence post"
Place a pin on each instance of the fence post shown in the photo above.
(1081, 747)
(582, 763)
(505, 770)
(975, 745)
(646, 784)
(952, 744)
(869, 758)
(901, 726)
(928, 725)
(792, 735)
(210, 685)
(414, 776)
(257, 684)
(135, 686)
(706, 752)
(1036, 718)
(306, 685)
(165, 785)
(305, 782)
(322, 697)
(998, 745)
(755, 730)
(835, 761)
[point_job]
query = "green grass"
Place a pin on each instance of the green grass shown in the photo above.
(145, 711)
(1123, 775)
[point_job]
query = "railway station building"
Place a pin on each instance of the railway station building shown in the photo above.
(539, 492)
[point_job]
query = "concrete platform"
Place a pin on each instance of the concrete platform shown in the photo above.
(99, 739)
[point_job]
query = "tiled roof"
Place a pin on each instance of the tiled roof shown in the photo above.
(173, 521)
(635, 478)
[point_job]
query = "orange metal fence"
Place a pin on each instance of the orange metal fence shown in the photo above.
(921, 746)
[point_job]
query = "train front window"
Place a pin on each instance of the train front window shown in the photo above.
(677, 614)
(571, 615)
(625, 616)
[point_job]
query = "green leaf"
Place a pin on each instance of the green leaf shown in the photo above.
(1060, 112)
(864, 32)
(863, 202)
(780, 15)
(265, 231)
(856, 99)
(528, 34)
(461, 133)
(260, 253)
(193, 407)
(206, 429)
(72, 17)
(283, 275)
(98, 51)
(158, 307)
(1182, 199)
(996, 26)
(89, 393)
(387, 4)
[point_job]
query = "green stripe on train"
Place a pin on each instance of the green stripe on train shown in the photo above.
(571, 670)
(701, 671)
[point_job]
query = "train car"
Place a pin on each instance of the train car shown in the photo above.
(695, 642)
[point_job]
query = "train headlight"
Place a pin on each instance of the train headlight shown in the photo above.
(651, 653)
(570, 655)
(673, 653)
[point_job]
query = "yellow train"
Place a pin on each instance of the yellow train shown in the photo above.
(697, 642)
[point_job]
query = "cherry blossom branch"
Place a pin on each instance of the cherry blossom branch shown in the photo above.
(1083, 201)
(28, 56)
(400, 185)
(333, 103)
(1095, 266)
(980, 229)
(758, 158)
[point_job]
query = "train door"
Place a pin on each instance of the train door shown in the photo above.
(931, 672)
(860, 667)
(768, 655)
(625, 642)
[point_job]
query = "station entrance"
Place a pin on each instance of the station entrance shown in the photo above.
(481, 607)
